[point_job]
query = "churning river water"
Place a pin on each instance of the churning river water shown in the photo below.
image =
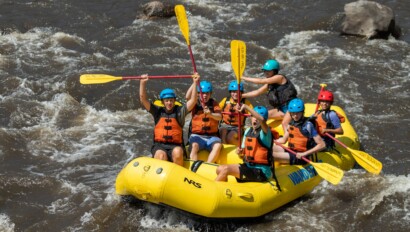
(62, 143)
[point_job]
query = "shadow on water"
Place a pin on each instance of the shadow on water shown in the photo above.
(175, 217)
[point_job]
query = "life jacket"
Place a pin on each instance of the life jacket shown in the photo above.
(202, 124)
(299, 140)
(230, 107)
(279, 95)
(167, 128)
(255, 151)
(323, 120)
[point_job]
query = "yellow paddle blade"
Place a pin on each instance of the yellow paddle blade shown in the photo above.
(238, 58)
(368, 162)
(328, 172)
(182, 21)
(97, 78)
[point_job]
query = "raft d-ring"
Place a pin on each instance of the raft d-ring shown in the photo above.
(159, 171)
(228, 193)
(136, 164)
(147, 167)
(245, 195)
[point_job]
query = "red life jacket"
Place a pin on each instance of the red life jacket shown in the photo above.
(323, 120)
(230, 107)
(167, 128)
(255, 151)
(202, 124)
(298, 140)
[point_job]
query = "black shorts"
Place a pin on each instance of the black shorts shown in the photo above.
(293, 160)
(248, 174)
(228, 128)
(168, 148)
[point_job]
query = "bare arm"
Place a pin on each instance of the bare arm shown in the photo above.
(215, 115)
(285, 137)
(256, 92)
(320, 144)
(276, 79)
(190, 92)
(193, 94)
(338, 131)
(143, 92)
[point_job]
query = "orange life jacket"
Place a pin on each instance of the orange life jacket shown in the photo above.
(298, 140)
(202, 124)
(167, 128)
(323, 120)
(230, 107)
(255, 151)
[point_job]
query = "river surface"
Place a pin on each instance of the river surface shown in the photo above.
(62, 143)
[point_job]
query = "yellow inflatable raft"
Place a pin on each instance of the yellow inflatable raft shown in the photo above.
(192, 188)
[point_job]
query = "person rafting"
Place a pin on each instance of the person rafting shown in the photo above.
(204, 124)
(169, 122)
(228, 128)
(279, 88)
(301, 136)
(256, 150)
(327, 120)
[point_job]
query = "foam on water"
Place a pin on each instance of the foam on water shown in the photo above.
(6, 225)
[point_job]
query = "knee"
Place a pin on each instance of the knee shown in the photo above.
(217, 146)
(194, 146)
(222, 170)
(177, 153)
(160, 155)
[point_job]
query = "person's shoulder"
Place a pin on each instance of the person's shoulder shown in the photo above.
(332, 113)
(309, 124)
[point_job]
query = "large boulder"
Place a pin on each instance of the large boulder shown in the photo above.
(369, 19)
(156, 9)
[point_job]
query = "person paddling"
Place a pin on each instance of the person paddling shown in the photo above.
(327, 120)
(204, 124)
(169, 122)
(279, 88)
(256, 149)
(301, 136)
(228, 129)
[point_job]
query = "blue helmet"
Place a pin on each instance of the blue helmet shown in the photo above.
(167, 93)
(296, 105)
(206, 87)
(271, 65)
(233, 86)
(262, 111)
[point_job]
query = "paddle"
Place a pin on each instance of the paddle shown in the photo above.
(104, 78)
(238, 61)
(230, 113)
(368, 162)
(184, 27)
(323, 86)
(328, 172)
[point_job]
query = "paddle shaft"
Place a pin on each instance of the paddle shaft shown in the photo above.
(184, 27)
(336, 140)
(229, 113)
(290, 151)
(239, 103)
(156, 77)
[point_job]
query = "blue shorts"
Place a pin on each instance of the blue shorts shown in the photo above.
(205, 142)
